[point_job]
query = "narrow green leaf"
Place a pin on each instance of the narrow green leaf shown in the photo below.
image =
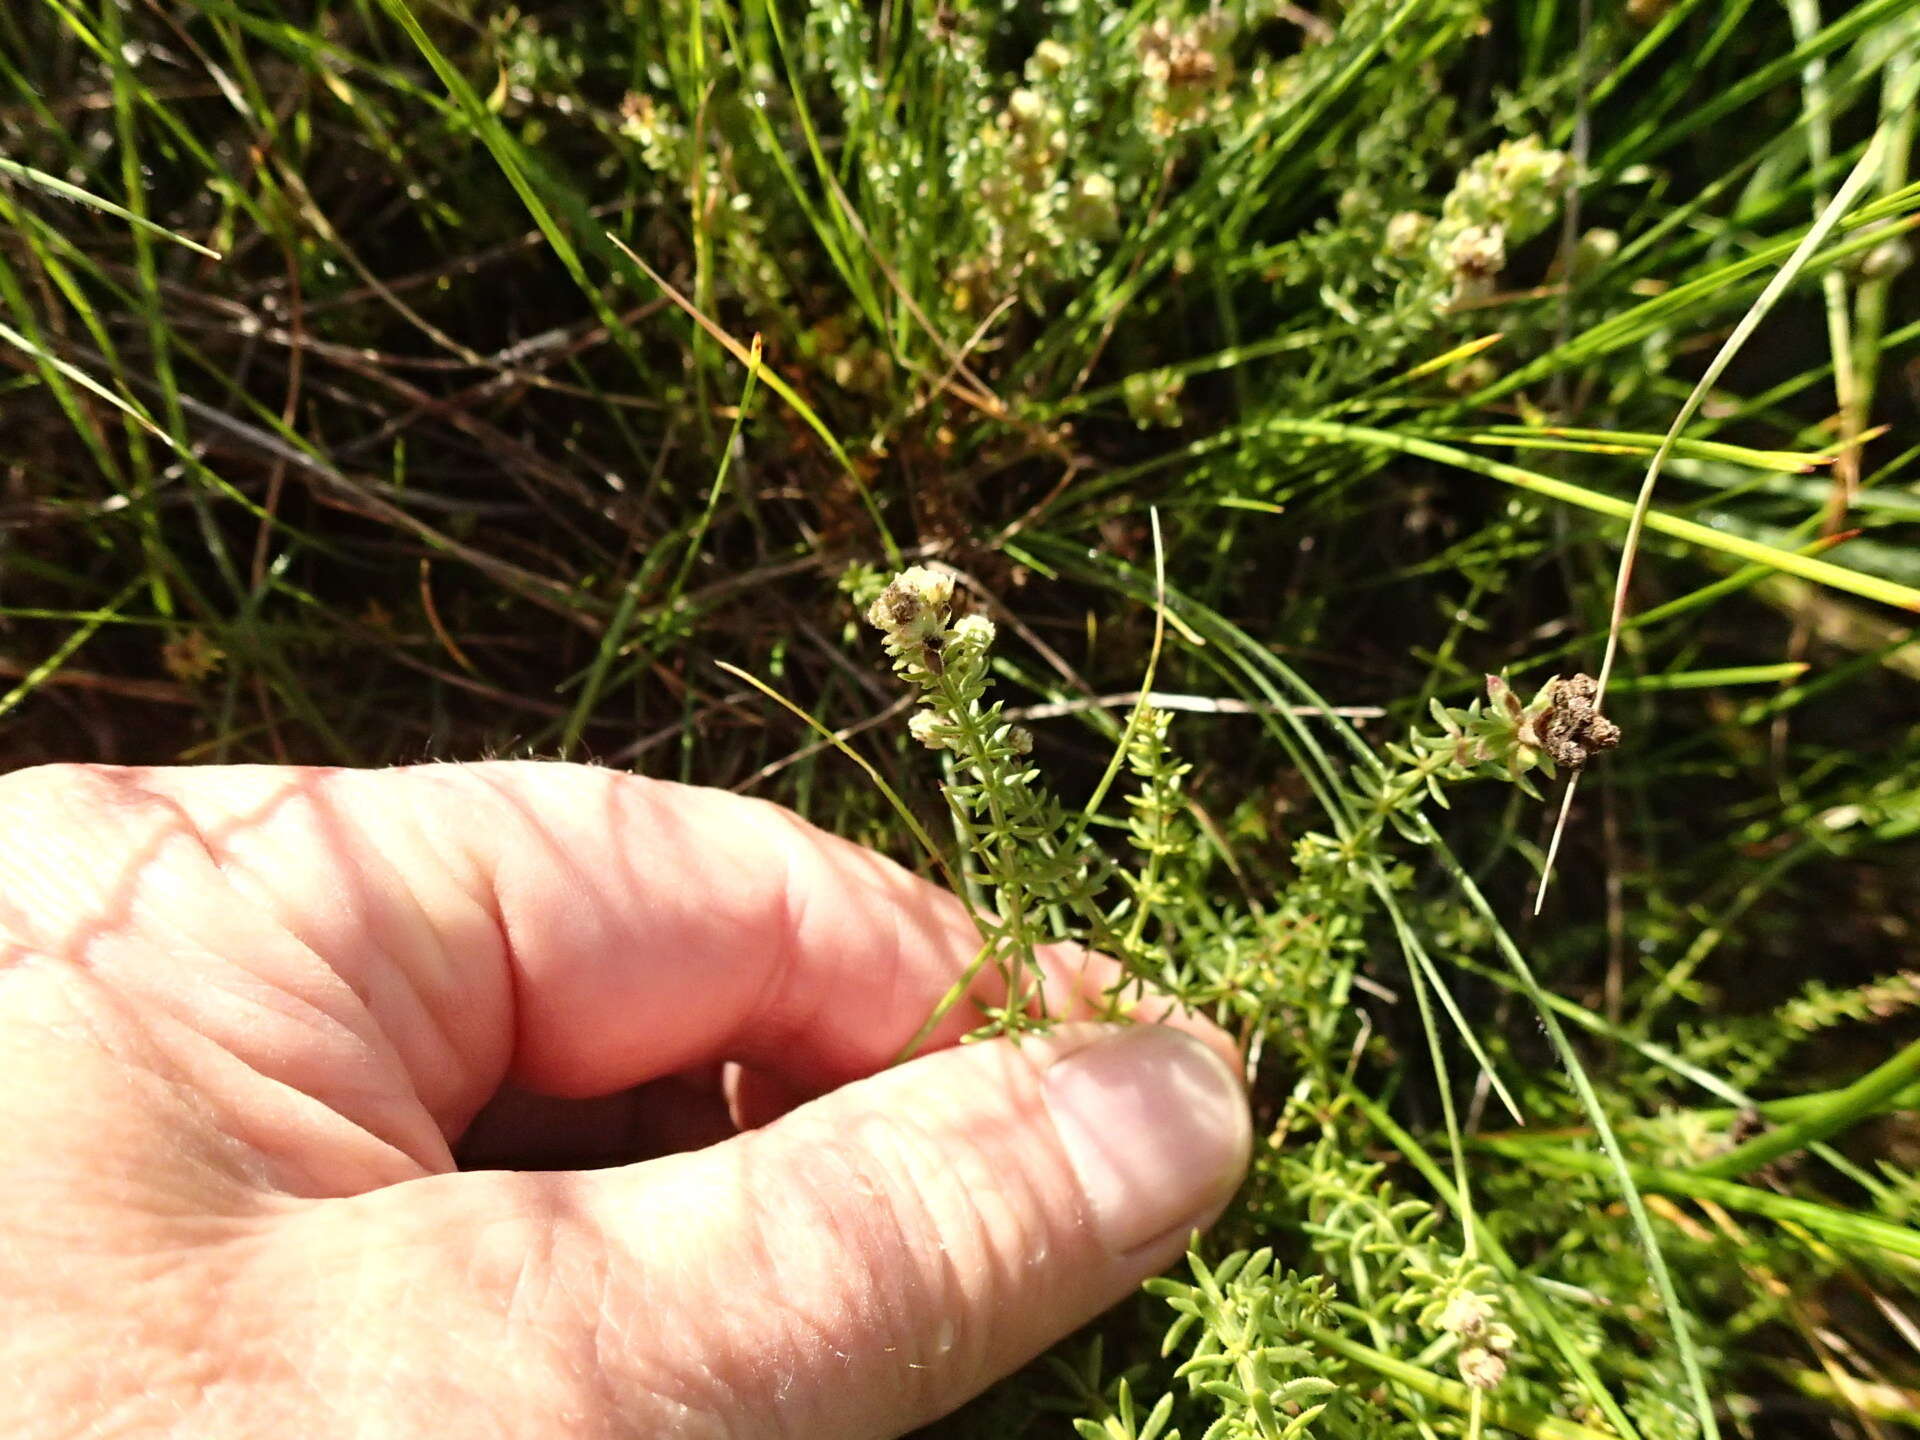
(54, 185)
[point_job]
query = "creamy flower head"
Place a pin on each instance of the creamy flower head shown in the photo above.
(1407, 231)
(1466, 1314)
(1483, 1358)
(975, 630)
(913, 607)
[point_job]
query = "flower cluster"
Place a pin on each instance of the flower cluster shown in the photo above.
(1499, 737)
(1035, 208)
(1186, 72)
(912, 610)
(656, 130)
(1456, 1306)
(1501, 199)
(1485, 1342)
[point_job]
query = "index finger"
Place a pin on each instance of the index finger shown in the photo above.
(581, 929)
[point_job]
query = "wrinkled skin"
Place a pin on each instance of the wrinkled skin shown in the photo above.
(247, 1015)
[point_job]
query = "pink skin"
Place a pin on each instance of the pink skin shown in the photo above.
(247, 1013)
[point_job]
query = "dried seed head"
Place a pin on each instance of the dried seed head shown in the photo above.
(1573, 729)
(1482, 1368)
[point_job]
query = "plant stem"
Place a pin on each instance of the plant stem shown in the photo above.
(1834, 1223)
(1842, 1109)
(1452, 1393)
(1531, 1300)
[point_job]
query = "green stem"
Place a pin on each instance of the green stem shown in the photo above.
(1843, 1108)
(1790, 1107)
(1832, 1222)
(1010, 895)
(1528, 1294)
(1452, 1393)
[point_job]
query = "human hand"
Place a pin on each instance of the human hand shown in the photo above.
(246, 1013)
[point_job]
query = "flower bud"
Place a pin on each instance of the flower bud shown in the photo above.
(974, 631)
(1049, 58)
(1092, 205)
(1595, 250)
(926, 727)
(1481, 1368)
(1466, 1314)
(1407, 232)
(1024, 107)
(1503, 698)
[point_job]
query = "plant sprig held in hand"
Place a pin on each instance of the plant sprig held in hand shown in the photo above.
(1043, 876)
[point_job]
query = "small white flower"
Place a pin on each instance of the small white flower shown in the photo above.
(974, 630)
(1407, 231)
(913, 607)
(927, 728)
(1478, 251)
(931, 586)
(1466, 1314)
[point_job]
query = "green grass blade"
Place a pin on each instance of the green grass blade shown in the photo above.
(1842, 1109)
(1843, 1227)
(1807, 567)
(85, 381)
(85, 631)
(54, 185)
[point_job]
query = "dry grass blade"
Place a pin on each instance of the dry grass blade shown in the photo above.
(774, 383)
(1856, 183)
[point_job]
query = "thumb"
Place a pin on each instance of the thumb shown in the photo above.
(878, 1256)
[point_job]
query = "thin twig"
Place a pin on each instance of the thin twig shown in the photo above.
(1190, 704)
(1861, 176)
